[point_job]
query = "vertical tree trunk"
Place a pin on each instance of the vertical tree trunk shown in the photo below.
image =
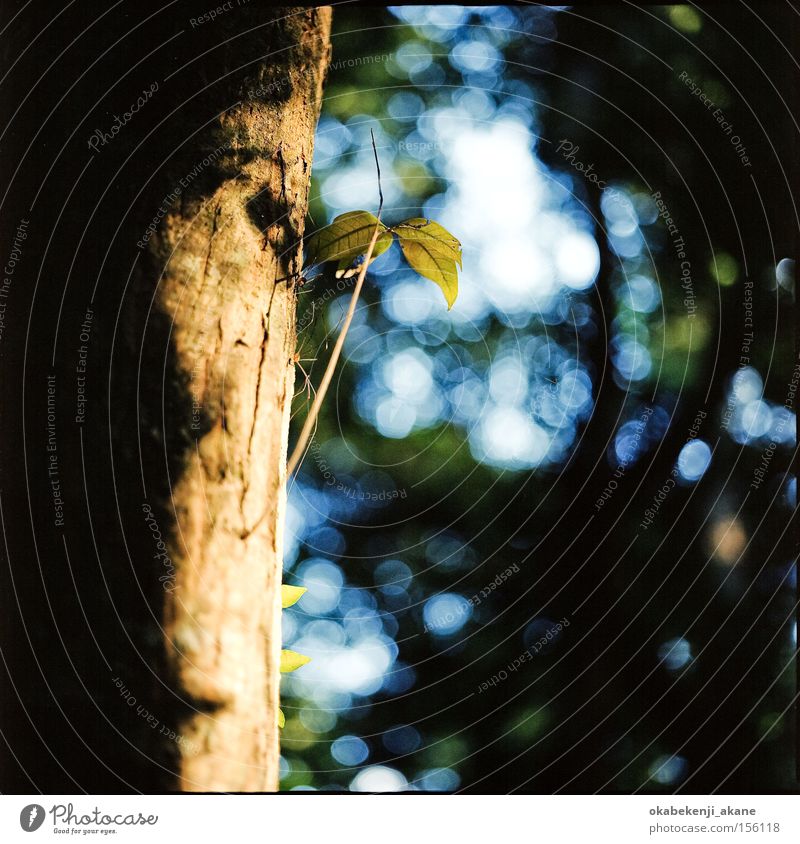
(217, 268)
(146, 357)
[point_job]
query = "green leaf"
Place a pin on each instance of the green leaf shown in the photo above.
(291, 661)
(347, 238)
(435, 237)
(291, 595)
(438, 268)
(281, 719)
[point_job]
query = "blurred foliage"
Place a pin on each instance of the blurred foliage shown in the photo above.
(533, 428)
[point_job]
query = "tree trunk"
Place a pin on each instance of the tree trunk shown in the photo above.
(225, 259)
(146, 339)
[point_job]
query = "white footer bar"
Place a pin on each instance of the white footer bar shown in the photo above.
(401, 818)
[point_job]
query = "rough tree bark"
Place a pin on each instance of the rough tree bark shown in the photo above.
(146, 357)
(217, 260)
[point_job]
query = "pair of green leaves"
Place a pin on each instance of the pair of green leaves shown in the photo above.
(290, 660)
(428, 247)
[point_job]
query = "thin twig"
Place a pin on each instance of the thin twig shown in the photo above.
(308, 425)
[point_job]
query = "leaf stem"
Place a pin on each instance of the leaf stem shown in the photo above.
(313, 413)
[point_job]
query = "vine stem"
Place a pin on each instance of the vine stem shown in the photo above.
(313, 413)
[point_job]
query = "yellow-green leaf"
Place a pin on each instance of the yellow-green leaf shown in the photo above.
(291, 594)
(435, 237)
(291, 661)
(438, 268)
(347, 238)
(281, 719)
